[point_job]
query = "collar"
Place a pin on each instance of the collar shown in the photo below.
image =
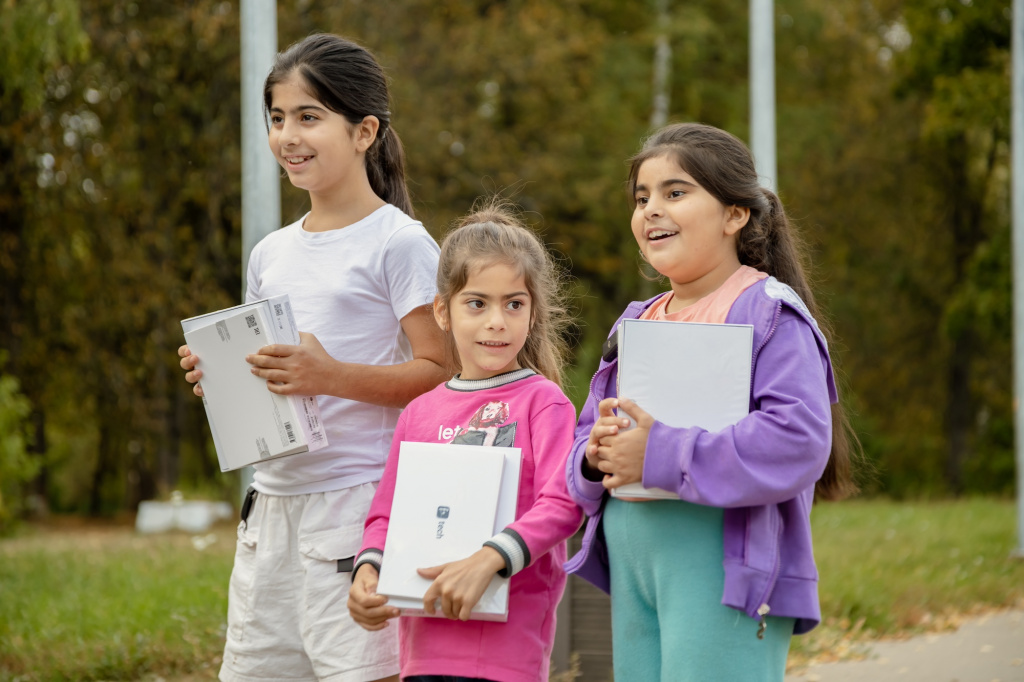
(457, 384)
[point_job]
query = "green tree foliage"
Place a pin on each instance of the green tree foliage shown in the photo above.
(16, 466)
(120, 207)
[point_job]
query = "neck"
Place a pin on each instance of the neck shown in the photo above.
(686, 294)
(333, 210)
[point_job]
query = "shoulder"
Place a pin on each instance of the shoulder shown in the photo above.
(763, 302)
(541, 393)
(391, 223)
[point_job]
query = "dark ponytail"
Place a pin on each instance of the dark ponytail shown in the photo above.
(385, 168)
(345, 78)
(722, 164)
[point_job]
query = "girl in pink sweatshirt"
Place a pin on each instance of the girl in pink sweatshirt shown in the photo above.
(498, 302)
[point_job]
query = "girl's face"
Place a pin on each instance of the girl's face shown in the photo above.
(683, 231)
(489, 320)
(320, 150)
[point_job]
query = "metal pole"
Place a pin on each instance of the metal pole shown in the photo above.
(762, 91)
(261, 184)
(1017, 144)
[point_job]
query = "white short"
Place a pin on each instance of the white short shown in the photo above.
(288, 617)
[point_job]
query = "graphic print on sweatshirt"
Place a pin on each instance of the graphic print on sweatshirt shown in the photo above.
(487, 427)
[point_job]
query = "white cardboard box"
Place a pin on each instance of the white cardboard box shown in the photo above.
(684, 374)
(449, 500)
(249, 423)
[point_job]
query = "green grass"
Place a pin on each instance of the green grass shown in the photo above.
(896, 569)
(87, 603)
(92, 604)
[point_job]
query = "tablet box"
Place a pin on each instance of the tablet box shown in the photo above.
(248, 423)
(684, 374)
(448, 501)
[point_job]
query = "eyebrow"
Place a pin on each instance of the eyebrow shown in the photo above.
(669, 183)
(476, 294)
(298, 109)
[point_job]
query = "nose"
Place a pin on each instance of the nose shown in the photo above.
(496, 318)
(653, 208)
(289, 134)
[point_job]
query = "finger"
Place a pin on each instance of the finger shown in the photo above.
(188, 362)
(610, 482)
(449, 608)
(430, 599)
(198, 390)
(605, 407)
(432, 572)
(265, 360)
(183, 351)
(280, 388)
(638, 414)
(279, 350)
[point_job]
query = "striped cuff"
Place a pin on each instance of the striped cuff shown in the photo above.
(512, 548)
(371, 556)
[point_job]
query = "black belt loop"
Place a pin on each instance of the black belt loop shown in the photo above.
(250, 497)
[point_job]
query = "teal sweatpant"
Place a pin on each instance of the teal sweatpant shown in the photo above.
(668, 622)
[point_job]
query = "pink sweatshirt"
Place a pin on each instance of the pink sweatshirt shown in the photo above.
(517, 409)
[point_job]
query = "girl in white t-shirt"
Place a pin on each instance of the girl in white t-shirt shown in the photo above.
(360, 273)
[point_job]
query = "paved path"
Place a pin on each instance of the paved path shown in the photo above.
(987, 649)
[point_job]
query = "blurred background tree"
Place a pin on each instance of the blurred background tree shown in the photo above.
(120, 200)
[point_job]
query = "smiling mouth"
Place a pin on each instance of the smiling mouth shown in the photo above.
(296, 160)
(656, 235)
(493, 344)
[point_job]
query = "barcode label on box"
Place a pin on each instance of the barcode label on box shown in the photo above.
(290, 431)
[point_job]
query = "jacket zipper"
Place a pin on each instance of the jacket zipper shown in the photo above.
(764, 609)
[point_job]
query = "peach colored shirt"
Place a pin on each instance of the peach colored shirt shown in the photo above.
(712, 308)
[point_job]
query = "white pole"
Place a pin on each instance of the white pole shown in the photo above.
(662, 67)
(261, 184)
(1017, 142)
(762, 91)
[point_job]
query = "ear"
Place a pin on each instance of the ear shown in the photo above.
(736, 218)
(440, 313)
(365, 132)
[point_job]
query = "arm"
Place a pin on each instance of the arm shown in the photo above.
(307, 369)
(769, 456)
(584, 485)
(552, 515)
(368, 608)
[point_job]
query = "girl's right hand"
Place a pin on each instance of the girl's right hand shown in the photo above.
(368, 608)
(188, 363)
(607, 424)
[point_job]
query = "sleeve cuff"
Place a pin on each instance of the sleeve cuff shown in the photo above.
(512, 548)
(371, 556)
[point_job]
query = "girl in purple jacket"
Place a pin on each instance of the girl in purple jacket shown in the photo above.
(713, 585)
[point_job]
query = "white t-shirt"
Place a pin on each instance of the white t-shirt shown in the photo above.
(349, 287)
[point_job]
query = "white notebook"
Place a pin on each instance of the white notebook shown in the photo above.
(684, 374)
(248, 422)
(448, 501)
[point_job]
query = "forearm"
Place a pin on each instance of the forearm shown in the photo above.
(387, 385)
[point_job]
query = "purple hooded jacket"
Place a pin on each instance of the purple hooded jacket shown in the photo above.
(761, 470)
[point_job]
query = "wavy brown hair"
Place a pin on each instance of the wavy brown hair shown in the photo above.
(492, 233)
(724, 166)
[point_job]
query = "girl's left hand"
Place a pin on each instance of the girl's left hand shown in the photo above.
(293, 370)
(460, 584)
(621, 455)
